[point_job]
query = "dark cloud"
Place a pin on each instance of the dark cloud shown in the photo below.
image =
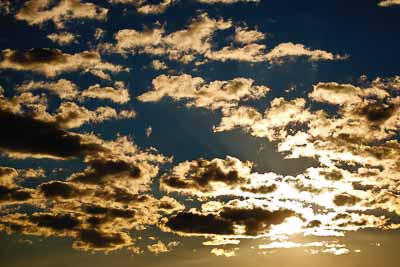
(12, 195)
(262, 189)
(121, 195)
(36, 56)
(56, 189)
(99, 171)
(314, 223)
(255, 220)
(334, 175)
(92, 239)
(193, 223)
(51, 62)
(30, 137)
(378, 112)
(208, 176)
(345, 200)
(112, 212)
(206, 172)
(56, 222)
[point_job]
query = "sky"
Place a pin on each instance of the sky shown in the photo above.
(201, 132)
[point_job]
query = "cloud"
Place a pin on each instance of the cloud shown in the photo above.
(158, 65)
(36, 12)
(214, 95)
(42, 140)
(388, 3)
(70, 115)
(211, 178)
(182, 45)
(52, 62)
(94, 240)
(223, 252)
(194, 43)
(246, 36)
(272, 124)
(14, 195)
(288, 50)
(192, 223)
(7, 176)
(197, 35)
(228, 220)
(10, 192)
(132, 39)
(58, 189)
(155, 9)
(65, 89)
(249, 52)
(5, 7)
(96, 207)
(146, 7)
(119, 94)
(160, 247)
(345, 199)
(32, 173)
(355, 126)
(101, 171)
(62, 38)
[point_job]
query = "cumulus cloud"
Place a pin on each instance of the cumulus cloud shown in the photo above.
(65, 89)
(155, 9)
(217, 177)
(62, 38)
(146, 7)
(194, 43)
(160, 247)
(36, 12)
(119, 94)
(96, 207)
(207, 176)
(355, 126)
(185, 45)
(196, 92)
(245, 36)
(223, 252)
(182, 45)
(158, 65)
(52, 62)
(287, 50)
(70, 115)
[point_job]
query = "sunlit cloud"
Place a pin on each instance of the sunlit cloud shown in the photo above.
(37, 12)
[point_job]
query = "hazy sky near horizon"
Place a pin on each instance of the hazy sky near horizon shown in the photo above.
(201, 132)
